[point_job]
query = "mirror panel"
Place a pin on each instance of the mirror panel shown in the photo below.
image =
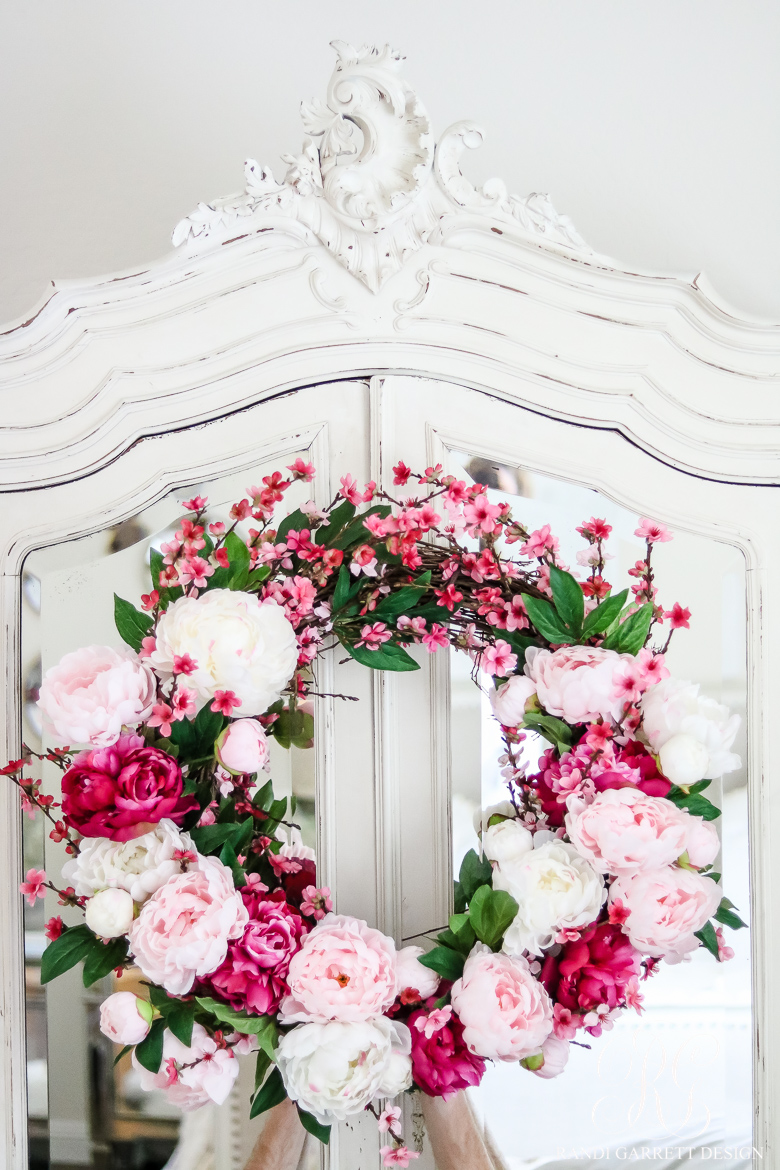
(674, 1082)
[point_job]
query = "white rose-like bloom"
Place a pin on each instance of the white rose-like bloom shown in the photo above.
(91, 693)
(508, 701)
(110, 913)
(139, 866)
(239, 645)
(675, 708)
(409, 972)
(576, 683)
(334, 1070)
(684, 760)
(481, 818)
(555, 889)
(507, 842)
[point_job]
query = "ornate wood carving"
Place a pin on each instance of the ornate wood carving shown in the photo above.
(369, 182)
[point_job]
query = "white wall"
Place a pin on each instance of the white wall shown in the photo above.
(653, 123)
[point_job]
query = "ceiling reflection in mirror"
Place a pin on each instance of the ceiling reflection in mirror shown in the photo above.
(673, 1082)
(83, 1108)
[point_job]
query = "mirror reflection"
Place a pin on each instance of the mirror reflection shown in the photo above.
(674, 1082)
(85, 1109)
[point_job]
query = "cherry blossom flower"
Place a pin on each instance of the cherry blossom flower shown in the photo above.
(595, 530)
(372, 636)
(54, 928)
(724, 952)
(162, 716)
(498, 660)
(401, 474)
(316, 903)
(185, 703)
(149, 600)
(540, 543)
(225, 702)
(196, 504)
(435, 1020)
(32, 886)
(350, 490)
(397, 1155)
(448, 597)
(435, 638)
(652, 531)
(184, 664)
(481, 514)
(679, 618)
(301, 470)
(389, 1121)
(363, 558)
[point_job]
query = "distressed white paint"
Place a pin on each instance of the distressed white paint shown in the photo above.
(237, 348)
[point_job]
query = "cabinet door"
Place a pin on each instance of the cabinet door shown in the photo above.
(680, 1074)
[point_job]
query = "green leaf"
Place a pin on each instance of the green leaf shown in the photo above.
(459, 898)
(601, 618)
(387, 657)
(475, 871)
(568, 598)
(238, 561)
(631, 635)
(156, 566)
(356, 532)
(195, 738)
(554, 730)
(211, 838)
(725, 914)
(180, 1020)
(401, 601)
(150, 1050)
(491, 913)
(341, 592)
(228, 857)
(337, 520)
(133, 626)
(297, 520)
(445, 962)
(73, 945)
(103, 958)
(127, 1048)
(697, 805)
(293, 728)
(262, 1066)
(272, 1093)
(708, 938)
(321, 1132)
(547, 622)
(264, 1027)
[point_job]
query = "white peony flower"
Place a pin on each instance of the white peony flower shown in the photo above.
(410, 973)
(239, 645)
(110, 913)
(334, 1070)
(684, 760)
(139, 866)
(507, 842)
(555, 889)
(508, 701)
(674, 708)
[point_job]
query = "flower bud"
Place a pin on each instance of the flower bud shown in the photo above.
(243, 747)
(684, 760)
(125, 1018)
(110, 913)
(509, 700)
(397, 1077)
(555, 1054)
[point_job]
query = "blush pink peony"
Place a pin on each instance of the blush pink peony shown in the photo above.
(344, 971)
(577, 683)
(194, 1076)
(665, 909)
(243, 747)
(702, 843)
(91, 693)
(625, 830)
(441, 1063)
(506, 1014)
(124, 790)
(252, 976)
(183, 931)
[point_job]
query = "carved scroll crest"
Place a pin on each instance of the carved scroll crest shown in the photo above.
(369, 182)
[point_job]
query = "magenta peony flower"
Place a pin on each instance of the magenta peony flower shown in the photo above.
(92, 692)
(183, 931)
(441, 1063)
(122, 791)
(253, 976)
(596, 968)
(344, 971)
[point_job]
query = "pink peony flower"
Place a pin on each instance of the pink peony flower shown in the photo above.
(121, 1019)
(91, 693)
(252, 976)
(442, 1065)
(665, 908)
(577, 683)
(183, 931)
(556, 1056)
(508, 701)
(191, 1077)
(702, 843)
(624, 830)
(506, 1014)
(123, 790)
(243, 747)
(412, 976)
(597, 968)
(344, 971)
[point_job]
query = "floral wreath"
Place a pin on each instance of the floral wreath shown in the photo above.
(597, 866)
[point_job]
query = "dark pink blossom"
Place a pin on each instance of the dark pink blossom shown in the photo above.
(441, 1063)
(120, 791)
(598, 968)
